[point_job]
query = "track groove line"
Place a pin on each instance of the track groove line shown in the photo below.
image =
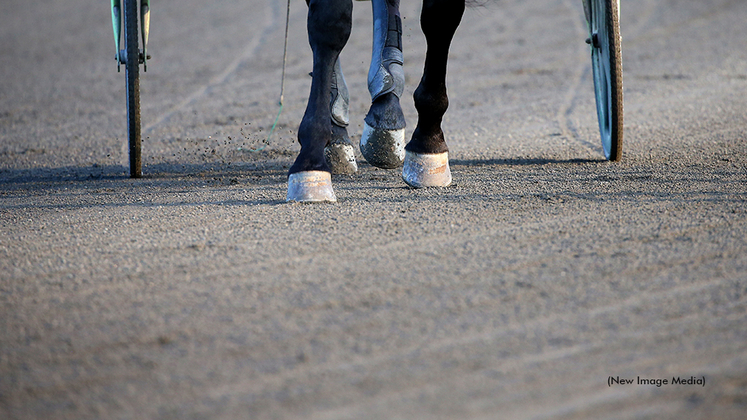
(429, 346)
(537, 230)
(272, 18)
(666, 31)
(580, 74)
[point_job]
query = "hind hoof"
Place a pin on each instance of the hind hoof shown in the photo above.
(426, 170)
(310, 187)
(340, 158)
(383, 148)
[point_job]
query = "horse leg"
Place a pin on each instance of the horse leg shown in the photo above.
(329, 23)
(382, 142)
(339, 153)
(426, 155)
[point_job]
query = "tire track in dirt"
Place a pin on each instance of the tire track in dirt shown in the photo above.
(535, 233)
(637, 37)
(580, 75)
(273, 22)
(431, 351)
(643, 17)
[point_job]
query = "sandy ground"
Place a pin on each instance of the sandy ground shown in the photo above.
(517, 293)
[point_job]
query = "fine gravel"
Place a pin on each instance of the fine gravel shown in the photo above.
(534, 287)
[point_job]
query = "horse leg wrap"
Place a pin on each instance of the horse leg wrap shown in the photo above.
(382, 142)
(386, 73)
(339, 97)
(339, 153)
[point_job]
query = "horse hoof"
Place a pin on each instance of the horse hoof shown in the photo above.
(426, 170)
(383, 148)
(310, 187)
(340, 158)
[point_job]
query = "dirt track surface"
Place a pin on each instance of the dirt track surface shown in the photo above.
(516, 293)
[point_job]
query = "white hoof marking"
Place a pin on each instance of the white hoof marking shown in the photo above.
(426, 170)
(310, 187)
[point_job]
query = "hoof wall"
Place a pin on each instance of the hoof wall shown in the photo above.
(383, 148)
(340, 158)
(310, 187)
(425, 170)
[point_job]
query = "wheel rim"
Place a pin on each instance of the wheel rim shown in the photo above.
(600, 58)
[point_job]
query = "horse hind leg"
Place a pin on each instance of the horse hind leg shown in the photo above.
(426, 155)
(339, 153)
(383, 139)
(329, 23)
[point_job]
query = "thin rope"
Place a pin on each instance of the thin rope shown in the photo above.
(285, 53)
(282, 79)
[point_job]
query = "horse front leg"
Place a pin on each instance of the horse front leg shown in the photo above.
(426, 155)
(383, 139)
(329, 23)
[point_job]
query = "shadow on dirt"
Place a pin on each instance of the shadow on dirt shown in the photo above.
(550, 181)
(162, 184)
(520, 161)
(275, 170)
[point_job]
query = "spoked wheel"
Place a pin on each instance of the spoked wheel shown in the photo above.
(603, 17)
(132, 76)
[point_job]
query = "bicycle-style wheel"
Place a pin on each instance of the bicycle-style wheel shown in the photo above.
(132, 76)
(603, 17)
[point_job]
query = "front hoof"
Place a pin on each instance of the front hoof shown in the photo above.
(426, 170)
(340, 158)
(310, 187)
(383, 148)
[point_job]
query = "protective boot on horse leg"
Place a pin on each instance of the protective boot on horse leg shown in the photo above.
(383, 139)
(339, 153)
(427, 156)
(329, 23)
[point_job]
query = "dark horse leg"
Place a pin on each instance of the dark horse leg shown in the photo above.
(339, 152)
(427, 157)
(383, 139)
(329, 23)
